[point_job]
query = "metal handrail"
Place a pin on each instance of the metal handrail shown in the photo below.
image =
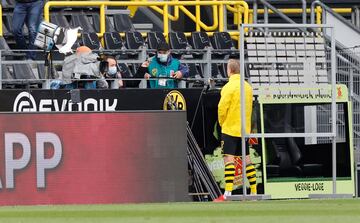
(328, 9)
(219, 5)
(1, 22)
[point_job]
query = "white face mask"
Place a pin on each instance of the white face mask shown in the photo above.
(163, 57)
(112, 70)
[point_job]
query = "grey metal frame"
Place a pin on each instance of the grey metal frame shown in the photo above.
(143, 52)
(328, 9)
(333, 99)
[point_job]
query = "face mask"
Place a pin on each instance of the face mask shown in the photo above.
(162, 57)
(112, 70)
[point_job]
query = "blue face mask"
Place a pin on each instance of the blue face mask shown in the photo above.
(163, 57)
(112, 70)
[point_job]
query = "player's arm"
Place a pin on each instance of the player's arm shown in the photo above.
(224, 105)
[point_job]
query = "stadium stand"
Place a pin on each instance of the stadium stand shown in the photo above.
(268, 52)
(204, 41)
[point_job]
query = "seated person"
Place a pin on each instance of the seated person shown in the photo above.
(162, 65)
(112, 71)
(82, 65)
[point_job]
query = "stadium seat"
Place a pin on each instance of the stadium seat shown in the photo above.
(91, 40)
(126, 73)
(8, 4)
(108, 26)
(6, 32)
(5, 73)
(134, 40)
(81, 19)
(59, 19)
(41, 72)
(23, 71)
(7, 20)
(113, 41)
(123, 23)
(201, 40)
(223, 41)
(154, 38)
(177, 40)
(290, 159)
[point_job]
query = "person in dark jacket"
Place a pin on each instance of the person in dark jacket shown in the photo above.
(27, 12)
(163, 70)
(112, 71)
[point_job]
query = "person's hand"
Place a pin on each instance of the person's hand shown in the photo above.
(147, 76)
(145, 64)
(177, 75)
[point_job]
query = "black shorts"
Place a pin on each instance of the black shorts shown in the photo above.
(232, 145)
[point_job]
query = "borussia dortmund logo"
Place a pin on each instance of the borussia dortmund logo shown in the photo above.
(174, 100)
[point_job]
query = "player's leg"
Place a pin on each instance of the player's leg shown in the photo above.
(251, 176)
(250, 172)
(229, 174)
(228, 144)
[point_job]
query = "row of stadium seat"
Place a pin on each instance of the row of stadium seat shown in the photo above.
(88, 22)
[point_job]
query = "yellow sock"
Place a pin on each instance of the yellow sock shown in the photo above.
(229, 176)
(251, 176)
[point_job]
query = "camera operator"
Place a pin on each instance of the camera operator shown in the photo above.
(82, 65)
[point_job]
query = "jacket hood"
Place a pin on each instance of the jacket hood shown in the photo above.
(87, 58)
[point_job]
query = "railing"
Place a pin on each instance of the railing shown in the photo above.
(1, 22)
(163, 8)
(205, 61)
(318, 12)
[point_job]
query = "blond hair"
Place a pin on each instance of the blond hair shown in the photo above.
(233, 66)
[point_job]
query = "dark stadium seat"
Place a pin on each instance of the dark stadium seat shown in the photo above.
(6, 32)
(81, 19)
(201, 40)
(7, 21)
(8, 4)
(290, 159)
(5, 72)
(108, 26)
(223, 41)
(154, 38)
(23, 71)
(126, 73)
(113, 41)
(91, 40)
(134, 40)
(59, 19)
(123, 23)
(177, 40)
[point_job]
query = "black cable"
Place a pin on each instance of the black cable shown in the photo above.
(205, 89)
